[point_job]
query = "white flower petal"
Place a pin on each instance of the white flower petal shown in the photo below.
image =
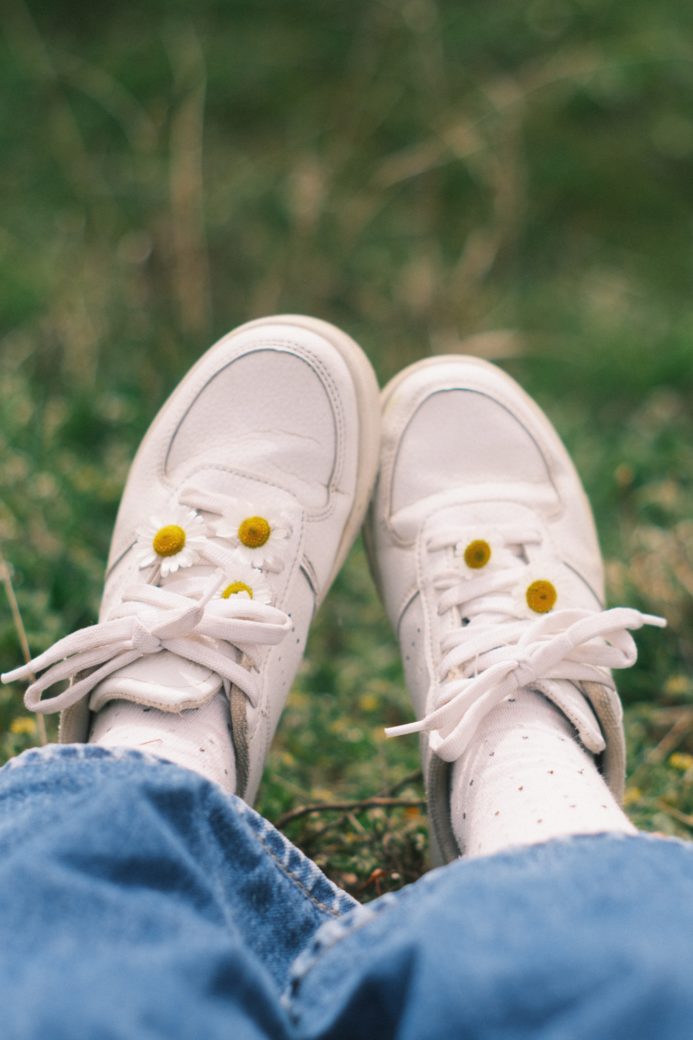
(195, 530)
(243, 574)
(540, 571)
(229, 527)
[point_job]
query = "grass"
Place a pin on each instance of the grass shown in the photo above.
(513, 180)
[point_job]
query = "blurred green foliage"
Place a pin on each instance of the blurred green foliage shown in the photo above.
(420, 172)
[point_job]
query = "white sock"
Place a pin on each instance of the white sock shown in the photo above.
(526, 779)
(197, 739)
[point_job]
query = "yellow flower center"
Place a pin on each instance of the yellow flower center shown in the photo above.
(235, 587)
(254, 531)
(541, 596)
(168, 540)
(477, 554)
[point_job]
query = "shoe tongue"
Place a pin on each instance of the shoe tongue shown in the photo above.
(240, 485)
(479, 519)
(571, 701)
(486, 513)
(467, 507)
(468, 523)
(164, 681)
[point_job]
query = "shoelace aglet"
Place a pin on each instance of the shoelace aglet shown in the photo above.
(654, 619)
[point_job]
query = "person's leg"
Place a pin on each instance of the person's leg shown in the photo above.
(525, 778)
(138, 900)
(240, 507)
(485, 553)
(574, 939)
(484, 550)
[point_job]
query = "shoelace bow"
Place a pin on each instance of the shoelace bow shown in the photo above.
(188, 622)
(476, 673)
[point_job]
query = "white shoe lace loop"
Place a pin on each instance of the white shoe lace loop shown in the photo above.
(494, 651)
(188, 630)
(193, 622)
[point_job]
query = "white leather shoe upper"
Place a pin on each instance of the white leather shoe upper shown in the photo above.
(241, 504)
(483, 546)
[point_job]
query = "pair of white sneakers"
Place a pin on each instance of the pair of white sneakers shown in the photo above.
(241, 506)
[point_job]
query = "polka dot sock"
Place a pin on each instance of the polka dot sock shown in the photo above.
(527, 779)
(197, 739)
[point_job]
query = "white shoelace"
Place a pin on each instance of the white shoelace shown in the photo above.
(189, 622)
(495, 651)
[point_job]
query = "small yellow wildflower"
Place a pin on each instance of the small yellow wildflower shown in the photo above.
(367, 702)
(632, 795)
(681, 760)
(677, 685)
(23, 726)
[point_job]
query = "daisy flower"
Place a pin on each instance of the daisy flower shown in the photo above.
(253, 533)
(171, 541)
(477, 553)
(246, 582)
(541, 590)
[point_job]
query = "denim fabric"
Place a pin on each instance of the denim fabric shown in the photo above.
(590, 937)
(137, 900)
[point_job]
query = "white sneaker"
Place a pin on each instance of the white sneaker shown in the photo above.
(241, 505)
(483, 547)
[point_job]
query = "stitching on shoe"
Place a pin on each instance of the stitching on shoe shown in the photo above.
(234, 471)
(419, 400)
(428, 620)
(295, 569)
(335, 400)
(599, 599)
(309, 574)
(330, 387)
(406, 602)
(307, 355)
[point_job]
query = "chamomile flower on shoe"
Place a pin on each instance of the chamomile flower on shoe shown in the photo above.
(280, 419)
(172, 541)
(541, 590)
(246, 582)
(479, 552)
(483, 546)
(255, 535)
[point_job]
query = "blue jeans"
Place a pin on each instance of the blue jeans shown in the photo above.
(137, 900)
